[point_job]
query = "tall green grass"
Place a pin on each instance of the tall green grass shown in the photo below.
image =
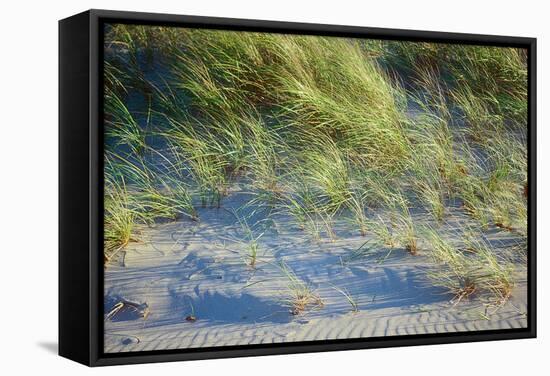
(318, 128)
(495, 76)
(119, 218)
(475, 269)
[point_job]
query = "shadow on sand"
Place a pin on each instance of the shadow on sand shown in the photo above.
(244, 308)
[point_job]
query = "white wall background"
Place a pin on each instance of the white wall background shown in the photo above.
(28, 185)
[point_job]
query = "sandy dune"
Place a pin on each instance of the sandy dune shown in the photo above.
(184, 270)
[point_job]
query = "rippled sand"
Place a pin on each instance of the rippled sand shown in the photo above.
(186, 270)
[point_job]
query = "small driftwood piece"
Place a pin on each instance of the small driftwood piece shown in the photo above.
(141, 309)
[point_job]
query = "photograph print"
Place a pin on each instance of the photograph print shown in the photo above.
(272, 188)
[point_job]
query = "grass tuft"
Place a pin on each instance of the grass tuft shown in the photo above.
(300, 296)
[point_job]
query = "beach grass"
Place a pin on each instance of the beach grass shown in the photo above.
(473, 269)
(386, 136)
(119, 219)
(301, 297)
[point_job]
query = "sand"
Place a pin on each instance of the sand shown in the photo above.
(191, 287)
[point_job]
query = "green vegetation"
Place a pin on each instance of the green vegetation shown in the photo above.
(319, 129)
(301, 297)
(475, 269)
(119, 218)
(250, 242)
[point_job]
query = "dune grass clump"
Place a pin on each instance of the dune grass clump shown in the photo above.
(268, 155)
(334, 89)
(164, 202)
(474, 269)
(155, 193)
(481, 162)
(498, 273)
(159, 192)
(431, 171)
(203, 158)
(135, 194)
(119, 218)
(435, 156)
(403, 229)
(115, 80)
(219, 70)
(130, 48)
(322, 86)
(383, 231)
(496, 76)
(300, 202)
(121, 125)
(251, 240)
(136, 47)
(311, 216)
(407, 235)
(493, 191)
(406, 57)
(301, 297)
(357, 204)
(130, 202)
(326, 170)
(507, 182)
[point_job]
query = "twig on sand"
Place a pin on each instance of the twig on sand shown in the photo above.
(143, 309)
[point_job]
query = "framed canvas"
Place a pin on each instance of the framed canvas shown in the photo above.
(236, 187)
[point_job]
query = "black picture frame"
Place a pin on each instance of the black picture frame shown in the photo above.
(80, 188)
